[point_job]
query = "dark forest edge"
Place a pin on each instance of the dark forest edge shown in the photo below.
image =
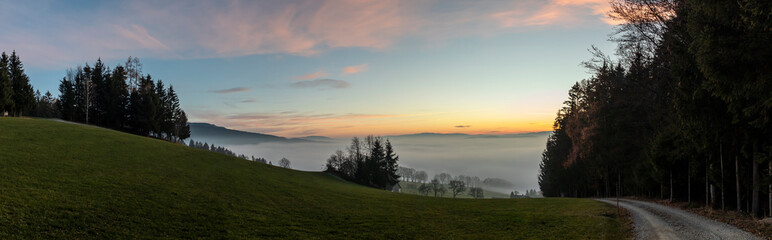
(122, 99)
(684, 114)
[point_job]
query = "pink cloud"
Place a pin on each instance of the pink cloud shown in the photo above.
(206, 29)
(310, 76)
(554, 12)
(355, 69)
(140, 35)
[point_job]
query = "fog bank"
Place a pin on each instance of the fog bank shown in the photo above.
(513, 158)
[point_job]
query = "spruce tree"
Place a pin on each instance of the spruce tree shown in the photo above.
(182, 129)
(391, 159)
(99, 90)
(164, 114)
(66, 100)
(116, 98)
(375, 164)
(6, 86)
(23, 94)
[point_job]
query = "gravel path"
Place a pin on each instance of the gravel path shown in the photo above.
(655, 221)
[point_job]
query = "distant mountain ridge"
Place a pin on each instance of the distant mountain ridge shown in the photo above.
(211, 133)
(514, 135)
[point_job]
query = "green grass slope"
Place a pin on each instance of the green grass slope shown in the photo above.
(61, 180)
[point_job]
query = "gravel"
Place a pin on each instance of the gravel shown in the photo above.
(655, 221)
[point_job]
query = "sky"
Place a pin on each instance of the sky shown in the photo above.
(329, 68)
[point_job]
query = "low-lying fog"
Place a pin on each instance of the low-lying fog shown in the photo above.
(511, 158)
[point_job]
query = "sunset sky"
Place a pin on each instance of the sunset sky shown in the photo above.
(330, 68)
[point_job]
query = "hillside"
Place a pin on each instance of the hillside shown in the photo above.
(69, 181)
(223, 136)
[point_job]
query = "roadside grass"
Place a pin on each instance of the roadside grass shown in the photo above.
(60, 180)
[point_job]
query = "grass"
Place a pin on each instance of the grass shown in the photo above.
(60, 180)
(412, 188)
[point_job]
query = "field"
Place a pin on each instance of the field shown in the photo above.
(61, 180)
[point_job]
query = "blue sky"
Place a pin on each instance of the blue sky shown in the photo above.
(333, 68)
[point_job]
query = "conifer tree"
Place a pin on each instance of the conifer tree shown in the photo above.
(98, 82)
(6, 86)
(23, 94)
(391, 159)
(66, 99)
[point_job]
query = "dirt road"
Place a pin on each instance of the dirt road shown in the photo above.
(655, 221)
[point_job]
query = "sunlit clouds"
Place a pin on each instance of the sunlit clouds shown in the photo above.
(139, 35)
(204, 29)
(560, 12)
(328, 67)
(309, 76)
(354, 69)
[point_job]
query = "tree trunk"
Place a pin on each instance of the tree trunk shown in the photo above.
(721, 152)
(689, 182)
(671, 185)
(755, 191)
(608, 185)
(770, 190)
(619, 180)
(712, 191)
(737, 179)
(707, 187)
(661, 191)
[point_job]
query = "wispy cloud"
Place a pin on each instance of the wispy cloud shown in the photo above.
(232, 90)
(463, 126)
(206, 29)
(554, 12)
(322, 84)
(354, 69)
(140, 35)
(319, 74)
(248, 100)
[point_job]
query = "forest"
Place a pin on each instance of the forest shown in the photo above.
(682, 113)
(121, 98)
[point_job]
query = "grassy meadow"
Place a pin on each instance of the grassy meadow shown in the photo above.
(61, 180)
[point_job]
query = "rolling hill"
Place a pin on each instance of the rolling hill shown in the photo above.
(71, 181)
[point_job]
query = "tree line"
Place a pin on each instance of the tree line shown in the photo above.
(371, 161)
(443, 183)
(120, 98)
(455, 187)
(284, 162)
(683, 113)
(124, 99)
(413, 175)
